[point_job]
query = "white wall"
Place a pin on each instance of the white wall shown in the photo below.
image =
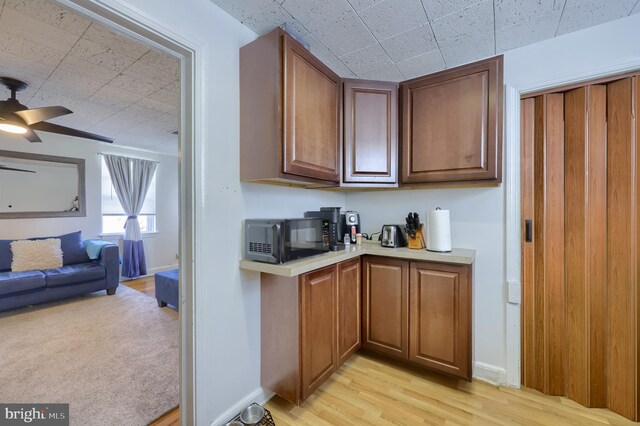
(160, 248)
(605, 49)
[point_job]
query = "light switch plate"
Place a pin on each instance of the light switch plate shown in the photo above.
(514, 292)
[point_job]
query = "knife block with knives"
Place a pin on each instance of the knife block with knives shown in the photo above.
(415, 232)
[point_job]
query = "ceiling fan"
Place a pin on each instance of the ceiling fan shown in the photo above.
(17, 118)
(11, 169)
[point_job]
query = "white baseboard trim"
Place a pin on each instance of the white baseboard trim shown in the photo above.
(489, 373)
(150, 272)
(161, 269)
(259, 395)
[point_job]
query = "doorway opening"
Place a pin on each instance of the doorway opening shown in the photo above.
(187, 51)
(118, 19)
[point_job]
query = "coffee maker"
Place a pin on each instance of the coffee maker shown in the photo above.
(331, 223)
(349, 224)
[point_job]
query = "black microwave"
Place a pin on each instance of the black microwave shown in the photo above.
(283, 240)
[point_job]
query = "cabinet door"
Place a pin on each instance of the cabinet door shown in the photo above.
(440, 317)
(318, 343)
(370, 132)
(349, 309)
(385, 305)
(312, 125)
(452, 124)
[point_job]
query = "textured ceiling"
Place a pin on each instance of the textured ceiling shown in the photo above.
(396, 40)
(115, 86)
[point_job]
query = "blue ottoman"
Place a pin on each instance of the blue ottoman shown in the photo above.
(167, 288)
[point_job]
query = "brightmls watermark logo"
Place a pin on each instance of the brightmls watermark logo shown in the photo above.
(34, 414)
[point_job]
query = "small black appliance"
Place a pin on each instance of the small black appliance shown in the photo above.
(283, 240)
(350, 224)
(393, 236)
(331, 219)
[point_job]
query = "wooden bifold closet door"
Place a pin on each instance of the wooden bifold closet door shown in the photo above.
(580, 232)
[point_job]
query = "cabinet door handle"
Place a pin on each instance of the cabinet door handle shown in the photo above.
(528, 231)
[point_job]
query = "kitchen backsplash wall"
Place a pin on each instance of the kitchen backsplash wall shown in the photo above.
(477, 222)
(281, 202)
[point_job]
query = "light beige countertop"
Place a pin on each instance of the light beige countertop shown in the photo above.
(302, 266)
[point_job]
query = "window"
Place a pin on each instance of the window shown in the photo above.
(114, 218)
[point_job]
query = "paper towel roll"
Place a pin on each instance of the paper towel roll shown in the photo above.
(438, 230)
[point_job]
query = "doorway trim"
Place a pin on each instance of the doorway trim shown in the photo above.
(513, 213)
(191, 53)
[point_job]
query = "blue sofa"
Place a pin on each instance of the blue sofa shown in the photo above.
(78, 275)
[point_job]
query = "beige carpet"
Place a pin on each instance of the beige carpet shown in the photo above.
(114, 359)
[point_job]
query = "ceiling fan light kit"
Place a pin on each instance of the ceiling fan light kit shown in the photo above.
(12, 127)
(17, 118)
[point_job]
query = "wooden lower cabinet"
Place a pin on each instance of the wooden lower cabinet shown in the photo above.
(419, 312)
(319, 331)
(440, 317)
(309, 326)
(385, 306)
(349, 309)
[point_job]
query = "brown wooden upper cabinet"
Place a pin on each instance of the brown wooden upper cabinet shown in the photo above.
(452, 125)
(370, 132)
(295, 113)
(290, 114)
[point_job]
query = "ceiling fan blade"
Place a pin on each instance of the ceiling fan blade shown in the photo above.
(55, 128)
(36, 115)
(11, 169)
(31, 136)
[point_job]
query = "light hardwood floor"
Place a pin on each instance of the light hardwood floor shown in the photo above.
(146, 285)
(368, 390)
(172, 418)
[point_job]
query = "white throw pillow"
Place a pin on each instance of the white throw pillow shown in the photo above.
(29, 255)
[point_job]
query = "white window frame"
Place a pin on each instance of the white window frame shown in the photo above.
(102, 214)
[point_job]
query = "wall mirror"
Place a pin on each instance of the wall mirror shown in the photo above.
(37, 186)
